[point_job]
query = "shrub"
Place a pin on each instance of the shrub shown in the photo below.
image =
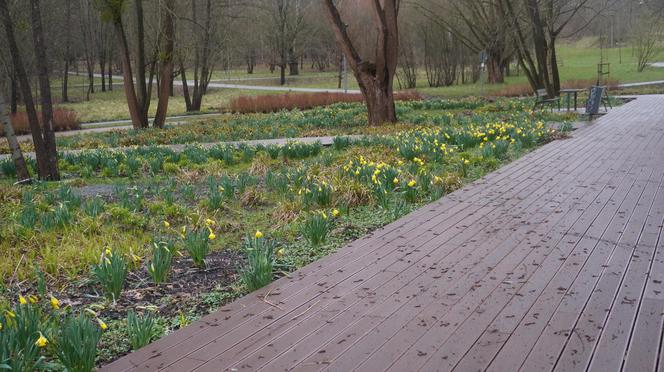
(77, 344)
(141, 329)
(290, 101)
(162, 259)
(63, 120)
(257, 272)
(111, 273)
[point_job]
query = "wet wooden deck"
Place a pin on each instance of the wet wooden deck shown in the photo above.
(554, 262)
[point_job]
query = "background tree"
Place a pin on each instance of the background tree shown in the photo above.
(45, 153)
(376, 79)
(286, 24)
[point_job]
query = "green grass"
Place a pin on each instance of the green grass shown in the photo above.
(578, 61)
(112, 105)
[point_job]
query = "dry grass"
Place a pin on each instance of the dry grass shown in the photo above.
(302, 101)
(63, 120)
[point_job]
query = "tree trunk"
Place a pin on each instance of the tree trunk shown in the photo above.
(375, 79)
(102, 70)
(495, 68)
(282, 74)
(166, 73)
(185, 87)
(142, 93)
(45, 91)
(65, 82)
(65, 74)
(555, 73)
(14, 95)
(22, 173)
(293, 65)
(26, 92)
(110, 69)
(128, 79)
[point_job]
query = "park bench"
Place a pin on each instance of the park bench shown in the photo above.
(542, 99)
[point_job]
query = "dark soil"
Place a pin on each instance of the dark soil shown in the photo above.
(179, 295)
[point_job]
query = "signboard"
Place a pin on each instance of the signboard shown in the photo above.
(594, 100)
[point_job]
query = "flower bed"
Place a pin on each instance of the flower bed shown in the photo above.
(149, 239)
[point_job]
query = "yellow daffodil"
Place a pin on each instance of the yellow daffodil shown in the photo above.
(102, 325)
(55, 303)
(41, 341)
(10, 314)
(258, 234)
(335, 213)
(33, 299)
(22, 300)
(280, 252)
(466, 162)
(166, 224)
(209, 222)
(412, 183)
(212, 236)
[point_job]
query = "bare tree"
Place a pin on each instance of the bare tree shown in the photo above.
(46, 155)
(537, 25)
(376, 79)
(203, 54)
(286, 19)
(480, 26)
(645, 38)
(44, 90)
(441, 54)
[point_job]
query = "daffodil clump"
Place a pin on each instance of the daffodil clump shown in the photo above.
(258, 270)
(38, 334)
(110, 273)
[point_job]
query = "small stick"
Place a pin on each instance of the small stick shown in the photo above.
(264, 299)
(305, 311)
(16, 269)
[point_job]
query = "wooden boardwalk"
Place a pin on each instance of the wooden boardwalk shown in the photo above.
(553, 262)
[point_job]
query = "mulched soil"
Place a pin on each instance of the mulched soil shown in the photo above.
(179, 295)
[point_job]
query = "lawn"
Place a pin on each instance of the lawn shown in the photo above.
(578, 61)
(145, 240)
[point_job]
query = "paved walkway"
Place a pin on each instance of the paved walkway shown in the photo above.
(553, 262)
(324, 140)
